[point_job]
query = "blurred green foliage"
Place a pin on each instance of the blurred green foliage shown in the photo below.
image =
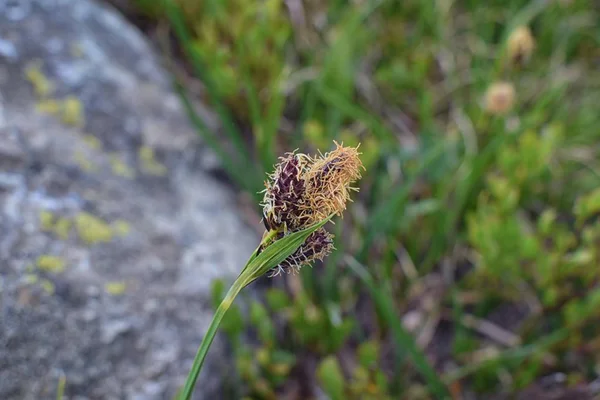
(482, 158)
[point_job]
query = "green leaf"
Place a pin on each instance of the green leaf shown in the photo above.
(282, 363)
(277, 299)
(217, 292)
(258, 313)
(276, 253)
(340, 333)
(233, 322)
(284, 357)
(368, 353)
(588, 205)
(261, 320)
(331, 378)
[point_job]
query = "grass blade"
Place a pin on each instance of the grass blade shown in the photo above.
(275, 253)
(272, 120)
(351, 110)
(230, 167)
(386, 216)
(516, 354)
(175, 16)
(60, 391)
(404, 340)
(466, 190)
(190, 383)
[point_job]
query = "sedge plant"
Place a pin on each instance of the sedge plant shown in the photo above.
(301, 196)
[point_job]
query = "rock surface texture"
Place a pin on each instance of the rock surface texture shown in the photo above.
(110, 229)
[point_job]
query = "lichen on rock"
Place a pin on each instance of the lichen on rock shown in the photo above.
(106, 269)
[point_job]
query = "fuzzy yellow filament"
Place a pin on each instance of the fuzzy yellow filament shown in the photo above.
(328, 183)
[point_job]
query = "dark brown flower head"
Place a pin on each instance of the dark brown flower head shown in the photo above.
(303, 191)
(316, 247)
(284, 192)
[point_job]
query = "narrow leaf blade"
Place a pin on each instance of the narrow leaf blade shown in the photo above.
(277, 252)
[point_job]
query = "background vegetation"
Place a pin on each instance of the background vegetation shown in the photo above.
(469, 263)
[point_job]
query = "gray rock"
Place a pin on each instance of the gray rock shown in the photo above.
(110, 230)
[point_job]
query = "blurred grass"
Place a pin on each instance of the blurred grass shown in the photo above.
(476, 200)
(403, 339)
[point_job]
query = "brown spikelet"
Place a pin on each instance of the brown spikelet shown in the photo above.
(284, 193)
(303, 191)
(327, 183)
(316, 247)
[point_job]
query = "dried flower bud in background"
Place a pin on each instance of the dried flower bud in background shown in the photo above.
(520, 45)
(499, 98)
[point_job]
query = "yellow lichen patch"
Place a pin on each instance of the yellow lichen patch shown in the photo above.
(59, 226)
(62, 227)
(115, 288)
(119, 168)
(51, 264)
(72, 111)
(149, 162)
(84, 162)
(46, 220)
(49, 106)
(42, 85)
(76, 50)
(121, 228)
(31, 279)
(47, 286)
(92, 229)
(92, 142)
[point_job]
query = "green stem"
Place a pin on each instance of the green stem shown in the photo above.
(60, 391)
(190, 382)
(257, 265)
(270, 235)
